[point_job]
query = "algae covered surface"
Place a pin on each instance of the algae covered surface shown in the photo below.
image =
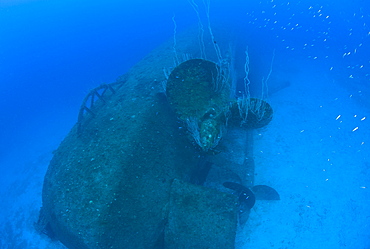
(109, 183)
(192, 89)
(198, 90)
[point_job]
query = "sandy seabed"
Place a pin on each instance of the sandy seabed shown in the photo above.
(309, 153)
(312, 154)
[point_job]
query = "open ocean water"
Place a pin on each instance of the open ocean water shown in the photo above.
(315, 152)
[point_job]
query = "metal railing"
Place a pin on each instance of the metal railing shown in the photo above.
(90, 102)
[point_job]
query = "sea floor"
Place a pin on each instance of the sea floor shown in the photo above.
(313, 156)
(21, 202)
(310, 153)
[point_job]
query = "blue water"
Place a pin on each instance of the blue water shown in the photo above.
(53, 52)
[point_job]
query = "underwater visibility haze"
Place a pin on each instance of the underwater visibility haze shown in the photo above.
(185, 124)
